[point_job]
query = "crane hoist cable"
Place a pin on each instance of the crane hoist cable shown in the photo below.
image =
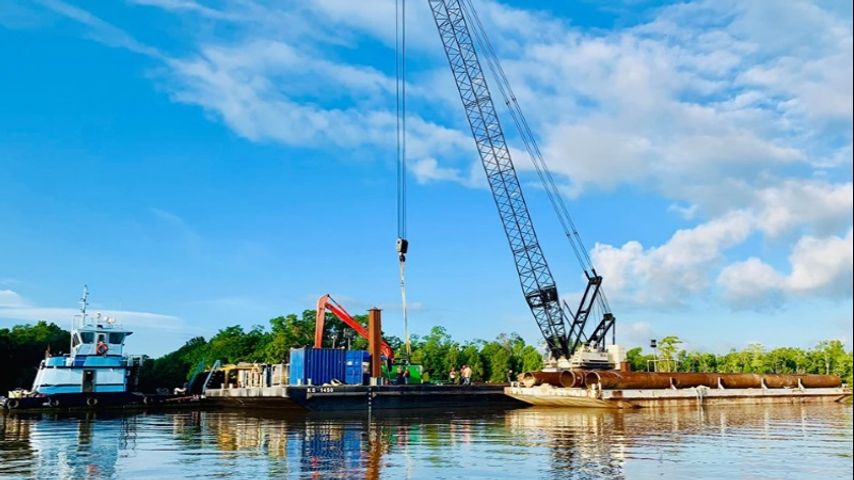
(400, 93)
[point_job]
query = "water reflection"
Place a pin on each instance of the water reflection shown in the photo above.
(761, 442)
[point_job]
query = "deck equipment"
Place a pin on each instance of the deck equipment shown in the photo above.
(326, 303)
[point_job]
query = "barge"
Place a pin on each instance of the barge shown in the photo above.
(621, 389)
(342, 398)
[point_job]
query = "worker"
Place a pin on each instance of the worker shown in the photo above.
(406, 376)
(452, 375)
(466, 374)
(510, 375)
(399, 378)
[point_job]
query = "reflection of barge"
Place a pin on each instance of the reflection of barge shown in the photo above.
(623, 389)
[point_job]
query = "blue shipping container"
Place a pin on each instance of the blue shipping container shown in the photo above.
(357, 369)
(316, 366)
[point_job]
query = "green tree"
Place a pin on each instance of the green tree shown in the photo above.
(532, 360)
(667, 347)
(637, 360)
(22, 348)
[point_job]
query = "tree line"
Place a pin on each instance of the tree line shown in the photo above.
(22, 347)
(437, 352)
(828, 357)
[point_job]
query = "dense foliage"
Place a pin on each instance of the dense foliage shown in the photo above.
(437, 352)
(23, 346)
(828, 357)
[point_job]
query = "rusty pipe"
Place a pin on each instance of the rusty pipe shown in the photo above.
(563, 378)
(741, 380)
(773, 380)
(532, 379)
(820, 381)
(688, 380)
(578, 378)
(614, 380)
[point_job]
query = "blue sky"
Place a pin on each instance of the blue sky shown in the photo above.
(204, 164)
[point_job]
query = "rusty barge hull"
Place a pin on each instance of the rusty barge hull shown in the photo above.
(548, 396)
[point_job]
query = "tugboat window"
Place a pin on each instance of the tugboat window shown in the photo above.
(75, 340)
(116, 338)
(102, 337)
(87, 337)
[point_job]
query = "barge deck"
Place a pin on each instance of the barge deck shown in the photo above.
(546, 395)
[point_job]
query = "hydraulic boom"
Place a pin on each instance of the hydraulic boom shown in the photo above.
(325, 303)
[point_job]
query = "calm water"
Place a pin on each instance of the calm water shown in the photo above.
(770, 442)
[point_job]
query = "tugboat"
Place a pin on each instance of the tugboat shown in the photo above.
(96, 373)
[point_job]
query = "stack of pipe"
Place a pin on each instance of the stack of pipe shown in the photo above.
(625, 380)
(617, 380)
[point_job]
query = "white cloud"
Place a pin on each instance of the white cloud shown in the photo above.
(427, 170)
(751, 284)
(668, 274)
(827, 207)
(822, 266)
(15, 308)
(10, 299)
(98, 29)
(819, 268)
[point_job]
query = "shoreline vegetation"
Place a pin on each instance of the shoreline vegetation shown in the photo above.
(22, 347)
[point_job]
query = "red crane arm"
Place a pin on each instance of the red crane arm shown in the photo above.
(325, 303)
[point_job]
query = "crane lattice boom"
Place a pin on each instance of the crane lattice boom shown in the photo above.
(537, 282)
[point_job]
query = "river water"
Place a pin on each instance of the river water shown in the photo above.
(762, 442)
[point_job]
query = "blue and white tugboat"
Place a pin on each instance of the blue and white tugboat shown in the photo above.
(96, 373)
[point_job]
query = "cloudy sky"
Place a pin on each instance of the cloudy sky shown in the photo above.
(202, 164)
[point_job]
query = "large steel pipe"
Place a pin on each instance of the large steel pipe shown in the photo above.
(577, 378)
(741, 380)
(689, 380)
(613, 380)
(820, 381)
(532, 379)
(563, 378)
(773, 380)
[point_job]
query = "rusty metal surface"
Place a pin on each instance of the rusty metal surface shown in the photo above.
(578, 378)
(820, 381)
(532, 379)
(563, 378)
(622, 380)
(688, 380)
(614, 380)
(773, 380)
(741, 380)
